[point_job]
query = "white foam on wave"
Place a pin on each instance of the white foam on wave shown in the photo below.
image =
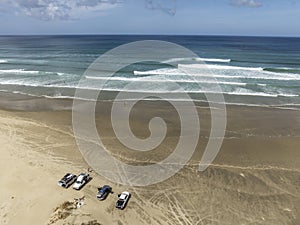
(198, 59)
(252, 94)
(25, 60)
(163, 80)
(262, 75)
(245, 92)
(218, 67)
(240, 92)
(289, 106)
(150, 92)
(18, 71)
(45, 96)
(24, 72)
(20, 83)
(213, 60)
(262, 94)
(288, 95)
(145, 91)
(3, 61)
(157, 72)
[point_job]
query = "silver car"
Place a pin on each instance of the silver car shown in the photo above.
(67, 180)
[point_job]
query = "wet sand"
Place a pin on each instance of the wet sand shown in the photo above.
(255, 178)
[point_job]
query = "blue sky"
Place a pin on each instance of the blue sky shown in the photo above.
(221, 17)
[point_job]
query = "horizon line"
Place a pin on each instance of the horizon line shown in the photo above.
(141, 34)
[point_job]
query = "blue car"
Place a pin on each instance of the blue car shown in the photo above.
(103, 192)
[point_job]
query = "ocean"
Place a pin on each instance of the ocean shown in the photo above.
(252, 71)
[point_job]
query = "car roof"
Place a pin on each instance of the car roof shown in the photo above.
(80, 177)
(124, 195)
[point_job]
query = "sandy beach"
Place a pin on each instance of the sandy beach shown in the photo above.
(253, 180)
(191, 109)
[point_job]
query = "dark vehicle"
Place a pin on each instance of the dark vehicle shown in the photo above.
(104, 192)
(123, 200)
(67, 180)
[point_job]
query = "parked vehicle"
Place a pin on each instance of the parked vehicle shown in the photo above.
(122, 200)
(103, 192)
(67, 180)
(82, 179)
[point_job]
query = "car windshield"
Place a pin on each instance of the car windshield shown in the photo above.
(64, 178)
(120, 202)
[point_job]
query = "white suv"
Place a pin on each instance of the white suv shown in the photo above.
(82, 179)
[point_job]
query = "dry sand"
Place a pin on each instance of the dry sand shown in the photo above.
(254, 180)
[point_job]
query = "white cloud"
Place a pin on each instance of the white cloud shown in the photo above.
(246, 3)
(74, 9)
(59, 9)
(168, 6)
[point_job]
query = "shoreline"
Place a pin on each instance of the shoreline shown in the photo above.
(25, 102)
